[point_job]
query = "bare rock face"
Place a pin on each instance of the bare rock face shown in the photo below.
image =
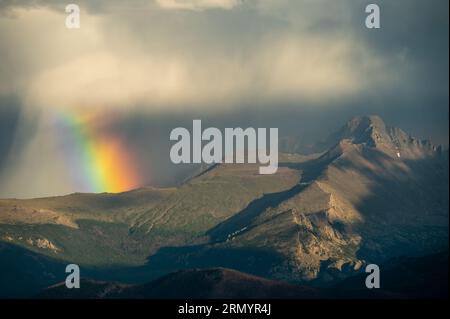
(43, 243)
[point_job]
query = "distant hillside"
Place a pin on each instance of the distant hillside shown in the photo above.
(123, 229)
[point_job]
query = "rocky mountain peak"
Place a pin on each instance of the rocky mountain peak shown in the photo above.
(373, 132)
(369, 130)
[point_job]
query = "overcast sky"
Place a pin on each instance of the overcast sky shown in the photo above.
(304, 66)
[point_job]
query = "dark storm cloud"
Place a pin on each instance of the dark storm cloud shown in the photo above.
(416, 34)
(9, 119)
(96, 6)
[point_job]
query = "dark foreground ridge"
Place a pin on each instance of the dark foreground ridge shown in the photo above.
(419, 277)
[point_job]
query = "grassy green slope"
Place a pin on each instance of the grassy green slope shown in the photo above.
(209, 199)
(124, 229)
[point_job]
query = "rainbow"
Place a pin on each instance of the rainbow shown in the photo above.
(96, 160)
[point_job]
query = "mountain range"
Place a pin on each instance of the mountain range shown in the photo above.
(369, 193)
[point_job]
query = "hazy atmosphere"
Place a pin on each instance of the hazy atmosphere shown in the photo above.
(137, 69)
